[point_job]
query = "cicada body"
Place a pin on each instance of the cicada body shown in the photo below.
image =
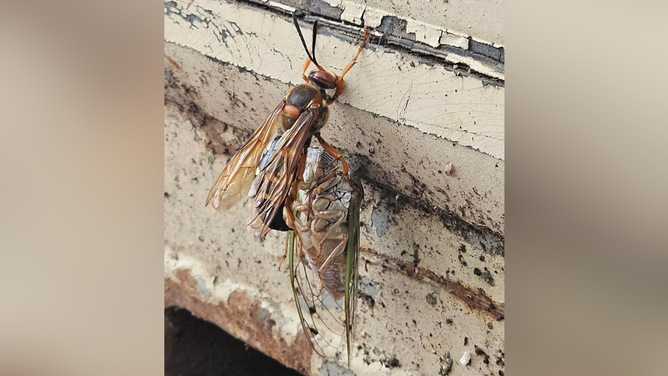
(323, 269)
(297, 118)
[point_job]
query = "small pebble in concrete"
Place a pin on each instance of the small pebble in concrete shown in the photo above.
(465, 359)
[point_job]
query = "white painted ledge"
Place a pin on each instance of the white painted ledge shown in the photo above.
(428, 97)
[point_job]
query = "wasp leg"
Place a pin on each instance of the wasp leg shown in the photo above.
(340, 84)
(332, 150)
(306, 65)
(290, 221)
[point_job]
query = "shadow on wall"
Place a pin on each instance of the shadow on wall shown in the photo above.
(196, 347)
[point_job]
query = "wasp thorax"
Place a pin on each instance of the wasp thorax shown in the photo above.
(323, 79)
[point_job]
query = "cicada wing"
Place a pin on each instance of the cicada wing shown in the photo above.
(236, 179)
(352, 259)
(275, 180)
(322, 318)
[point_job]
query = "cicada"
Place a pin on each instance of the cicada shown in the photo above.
(323, 251)
(299, 116)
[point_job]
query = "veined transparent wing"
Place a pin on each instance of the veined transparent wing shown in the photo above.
(237, 176)
(275, 180)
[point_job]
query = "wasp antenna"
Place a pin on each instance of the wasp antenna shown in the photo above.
(301, 37)
(315, 33)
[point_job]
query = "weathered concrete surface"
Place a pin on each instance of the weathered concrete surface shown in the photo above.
(432, 261)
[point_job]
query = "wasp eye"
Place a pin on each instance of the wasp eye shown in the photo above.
(323, 79)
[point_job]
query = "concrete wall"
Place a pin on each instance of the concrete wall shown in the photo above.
(422, 118)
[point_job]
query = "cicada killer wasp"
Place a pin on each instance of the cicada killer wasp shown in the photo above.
(300, 116)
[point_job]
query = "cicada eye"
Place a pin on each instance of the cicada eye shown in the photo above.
(323, 79)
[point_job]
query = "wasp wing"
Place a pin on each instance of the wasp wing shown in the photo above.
(236, 179)
(275, 180)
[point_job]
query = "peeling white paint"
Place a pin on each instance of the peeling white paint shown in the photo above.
(355, 12)
(352, 12)
(466, 357)
(425, 33)
(334, 3)
(459, 33)
(473, 64)
(278, 5)
(483, 19)
(374, 16)
(454, 40)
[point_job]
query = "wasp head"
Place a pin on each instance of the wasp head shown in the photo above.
(322, 79)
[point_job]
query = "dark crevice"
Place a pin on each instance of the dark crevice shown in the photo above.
(196, 347)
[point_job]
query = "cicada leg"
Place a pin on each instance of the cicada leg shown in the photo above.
(352, 254)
